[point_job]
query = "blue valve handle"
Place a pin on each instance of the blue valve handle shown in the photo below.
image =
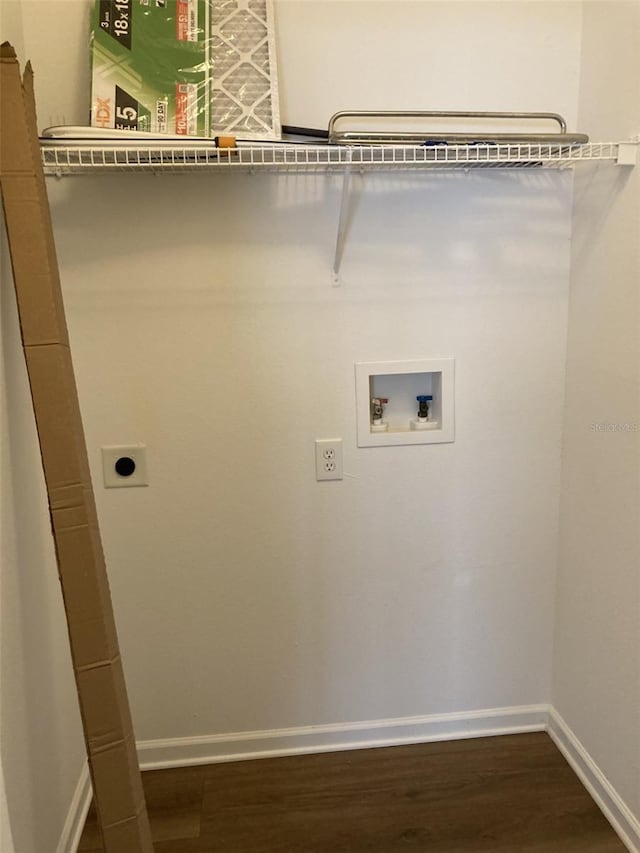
(423, 406)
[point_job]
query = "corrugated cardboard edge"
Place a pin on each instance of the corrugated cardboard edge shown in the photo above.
(102, 694)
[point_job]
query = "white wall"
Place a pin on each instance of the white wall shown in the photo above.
(41, 748)
(256, 597)
(419, 54)
(203, 322)
(597, 647)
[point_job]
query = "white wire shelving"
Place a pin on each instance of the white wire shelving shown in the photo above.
(69, 158)
(82, 157)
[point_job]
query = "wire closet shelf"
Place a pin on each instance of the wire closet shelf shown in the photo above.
(81, 158)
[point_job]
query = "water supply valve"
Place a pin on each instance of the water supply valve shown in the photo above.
(423, 406)
(378, 424)
(423, 419)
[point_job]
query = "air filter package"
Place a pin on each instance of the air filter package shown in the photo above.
(186, 67)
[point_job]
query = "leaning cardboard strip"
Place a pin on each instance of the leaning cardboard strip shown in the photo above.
(102, 694)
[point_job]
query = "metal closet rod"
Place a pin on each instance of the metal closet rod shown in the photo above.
(336, 136)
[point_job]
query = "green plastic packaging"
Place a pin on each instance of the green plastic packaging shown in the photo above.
(150, 66)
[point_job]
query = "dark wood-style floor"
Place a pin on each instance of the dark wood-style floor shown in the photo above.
(512, 794)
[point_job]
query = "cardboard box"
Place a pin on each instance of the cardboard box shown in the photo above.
(150, 68)
(104, 707)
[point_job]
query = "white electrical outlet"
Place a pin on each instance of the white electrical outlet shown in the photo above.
(329, 459)
(124, 466)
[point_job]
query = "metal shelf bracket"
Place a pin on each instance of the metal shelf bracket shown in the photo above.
(342, 221)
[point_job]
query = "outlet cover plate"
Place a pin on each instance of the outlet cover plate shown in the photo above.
(329, 459)
(111, 455)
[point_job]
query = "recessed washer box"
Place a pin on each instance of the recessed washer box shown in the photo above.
(401, 382)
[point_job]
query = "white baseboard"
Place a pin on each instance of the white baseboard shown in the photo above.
(74, 824)
(240, 746)
(594, 780)
(212, 749)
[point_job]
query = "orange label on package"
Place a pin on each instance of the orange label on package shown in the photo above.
(187, 109)
(187, 20)
(182, 109)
